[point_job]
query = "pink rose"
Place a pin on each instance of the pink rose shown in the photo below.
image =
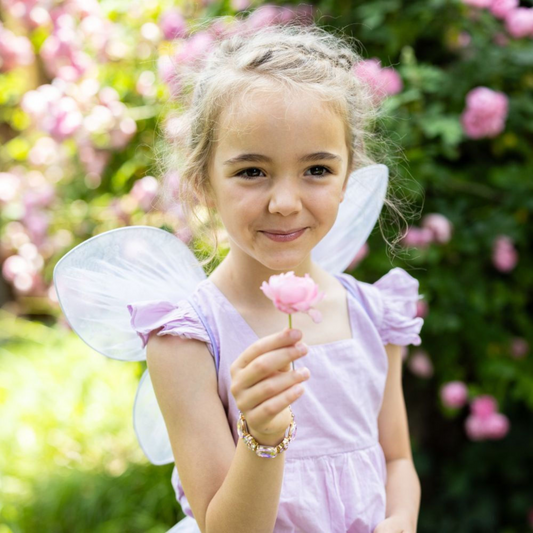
(440, 226)
(291, 294)
(420, 364)
(519, 22)
(422, 308)
(454, 394)
(173, 24)
(501, 8)
(484, 406)
(382, 81)
(494, 426)
(417, 237)
(485, 113)
(504, 254)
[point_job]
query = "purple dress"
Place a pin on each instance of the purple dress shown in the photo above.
(335, 470)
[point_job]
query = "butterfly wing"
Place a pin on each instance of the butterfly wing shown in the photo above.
(98, 278)
(357, 216)
(96, 281)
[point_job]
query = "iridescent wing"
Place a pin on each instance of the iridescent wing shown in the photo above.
(96, 281)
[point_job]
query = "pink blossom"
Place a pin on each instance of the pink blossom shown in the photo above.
(519, 22)
(359, 256)
(440, 226)
(14, 266)
(195, 47)
(420, 364)
(15, 50)
(475, 428)
(478, 3)
(422, 308)
(485, 113)
(42, 196)
(454, 394)
(32, 13)
(36, 223)
(265, 15)
(63, 119)
(417, 237)
(501, 8)
(504, 254)
(493, 426)
(173, 24)
(483, 406)
(291, 294)
(496, 426)
(9, 187)
(145, 191)
(519, 347)
(36, 103)
(382, 81)
(61, 52)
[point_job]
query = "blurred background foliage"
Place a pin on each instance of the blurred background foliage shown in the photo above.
(84, 89)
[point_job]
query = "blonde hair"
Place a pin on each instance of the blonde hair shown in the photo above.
(297, 57)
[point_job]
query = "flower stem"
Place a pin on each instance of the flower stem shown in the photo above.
(290, 326)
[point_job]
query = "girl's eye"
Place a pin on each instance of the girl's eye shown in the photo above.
(248, 173)
(251, 173)
(320, 169)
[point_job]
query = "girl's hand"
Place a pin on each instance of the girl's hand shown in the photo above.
(395, 524)
(264, 385)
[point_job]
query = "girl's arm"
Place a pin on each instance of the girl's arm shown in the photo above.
(228, 488)
(403, 486)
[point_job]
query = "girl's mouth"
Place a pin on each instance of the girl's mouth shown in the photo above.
(283, 238)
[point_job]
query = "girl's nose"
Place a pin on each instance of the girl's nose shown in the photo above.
(285, 198)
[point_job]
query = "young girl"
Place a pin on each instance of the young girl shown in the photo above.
(277, 123)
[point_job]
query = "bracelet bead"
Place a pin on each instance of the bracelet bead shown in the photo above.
(266, 452)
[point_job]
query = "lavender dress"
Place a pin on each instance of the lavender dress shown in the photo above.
(335, 470)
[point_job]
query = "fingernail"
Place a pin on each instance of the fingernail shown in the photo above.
(295, 334)
(302, 347)
(304, 372)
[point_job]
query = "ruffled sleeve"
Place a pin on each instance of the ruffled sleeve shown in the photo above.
(398, 323)
(174, 319)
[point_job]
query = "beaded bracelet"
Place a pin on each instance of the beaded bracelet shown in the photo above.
(267, 452)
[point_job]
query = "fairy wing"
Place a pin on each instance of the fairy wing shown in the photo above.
(96, 281)
(357, 216)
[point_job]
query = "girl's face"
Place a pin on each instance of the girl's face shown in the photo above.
(280, 163)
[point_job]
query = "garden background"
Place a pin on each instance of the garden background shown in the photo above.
(85, 88)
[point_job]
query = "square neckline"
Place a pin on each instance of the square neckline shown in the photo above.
(253, 334)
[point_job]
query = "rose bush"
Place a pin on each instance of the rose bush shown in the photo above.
(85, 85)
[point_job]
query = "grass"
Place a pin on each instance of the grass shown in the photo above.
(69, 459)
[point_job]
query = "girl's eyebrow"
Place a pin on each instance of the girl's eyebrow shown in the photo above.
(259, 158)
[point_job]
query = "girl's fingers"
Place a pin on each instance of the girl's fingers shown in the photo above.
(268, 364)
(270, 388)
(265, 413)
(269, 343)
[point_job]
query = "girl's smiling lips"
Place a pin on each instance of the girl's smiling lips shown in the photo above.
(284, 237)
(282, 232)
